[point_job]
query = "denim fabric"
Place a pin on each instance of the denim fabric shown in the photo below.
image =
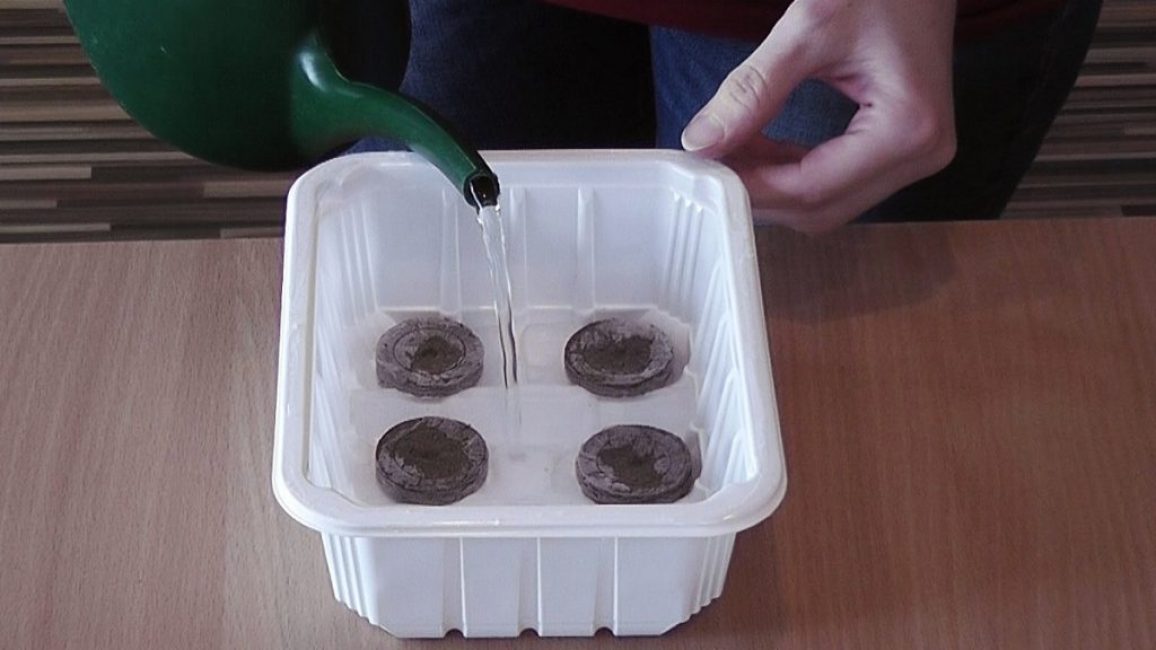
(1008, 90)
(514, 74)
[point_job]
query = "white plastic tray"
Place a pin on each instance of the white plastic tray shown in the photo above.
(662, 236)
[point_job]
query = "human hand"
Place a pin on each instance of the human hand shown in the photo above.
(892, 57)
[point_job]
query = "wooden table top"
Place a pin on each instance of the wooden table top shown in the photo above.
(969, 412)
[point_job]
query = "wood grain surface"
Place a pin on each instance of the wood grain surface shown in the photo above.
(969, 412)
(73, 165)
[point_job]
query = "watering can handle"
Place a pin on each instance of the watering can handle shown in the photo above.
(327, 108)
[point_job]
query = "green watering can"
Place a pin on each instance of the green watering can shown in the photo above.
(250, 84)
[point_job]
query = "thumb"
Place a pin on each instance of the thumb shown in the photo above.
(750, 97)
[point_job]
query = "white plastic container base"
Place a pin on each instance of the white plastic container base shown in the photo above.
(374, 238)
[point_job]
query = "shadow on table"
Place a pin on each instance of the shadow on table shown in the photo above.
(855, 270)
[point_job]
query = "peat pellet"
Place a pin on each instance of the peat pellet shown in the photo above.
(429, 357)
(619, 358)
(431, 461)
(634, 464)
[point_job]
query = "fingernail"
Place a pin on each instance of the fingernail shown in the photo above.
(703, 131)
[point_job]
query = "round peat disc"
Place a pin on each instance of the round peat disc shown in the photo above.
(431, 461)
(429, 357)
(619, 358)
(634, 463)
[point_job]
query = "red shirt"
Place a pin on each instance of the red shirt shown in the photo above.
(753, 19)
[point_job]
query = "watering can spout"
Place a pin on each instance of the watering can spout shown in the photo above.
(251, 85)
(329, 110)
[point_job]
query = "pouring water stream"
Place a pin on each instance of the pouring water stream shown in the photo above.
(494, 238)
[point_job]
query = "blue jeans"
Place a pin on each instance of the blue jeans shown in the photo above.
(523, 74)
(504, 74)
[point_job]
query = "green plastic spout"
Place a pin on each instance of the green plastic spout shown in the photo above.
(250, 84)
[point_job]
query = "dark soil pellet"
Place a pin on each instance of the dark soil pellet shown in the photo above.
(431, 461)
(619, 358)
(634, 464)
(429, 357)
